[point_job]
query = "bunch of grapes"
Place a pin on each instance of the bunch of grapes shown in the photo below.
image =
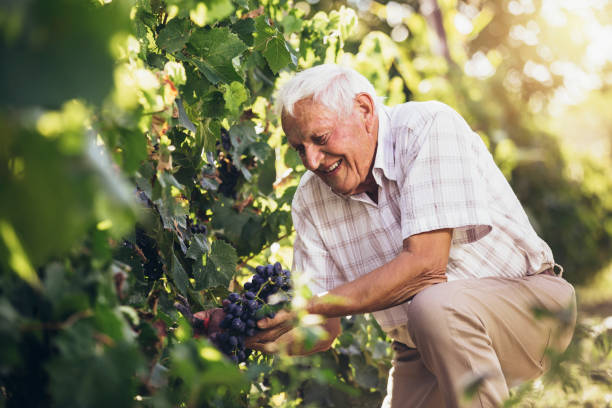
(195, 229)
(147, 250)
(242, 311)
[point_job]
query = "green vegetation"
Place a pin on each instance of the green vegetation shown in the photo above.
(141, 160)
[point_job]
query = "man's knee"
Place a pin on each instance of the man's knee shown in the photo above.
(428, 312)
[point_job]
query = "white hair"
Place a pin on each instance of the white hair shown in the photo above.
(330, 85)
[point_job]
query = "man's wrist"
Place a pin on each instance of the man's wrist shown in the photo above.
(314, 304)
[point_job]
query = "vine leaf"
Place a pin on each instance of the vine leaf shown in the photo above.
(245, 29)
(208, 70)
(135, 150)
(219, 268)
(179, 276)
(235, 94)
(224, 257)
(277, 54)
(217, 47)
(174, 36)
(271, 43)
(198, 247)
(228, 220)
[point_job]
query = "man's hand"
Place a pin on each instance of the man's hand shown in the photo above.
(204, 323)
(272, 331)
(214, 318)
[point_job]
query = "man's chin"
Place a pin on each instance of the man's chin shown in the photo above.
(342, 192)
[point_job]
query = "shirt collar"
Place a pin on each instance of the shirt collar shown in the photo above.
(384, 162)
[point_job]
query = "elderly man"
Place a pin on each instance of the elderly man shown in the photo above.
(404, 214)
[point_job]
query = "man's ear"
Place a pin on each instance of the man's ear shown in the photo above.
(367, 109)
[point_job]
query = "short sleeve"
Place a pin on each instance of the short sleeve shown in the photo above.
(442, 186)
(310, 256)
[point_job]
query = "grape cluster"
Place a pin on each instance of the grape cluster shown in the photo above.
(226, 142)
(146, 246)
(195, 229)
(242, 311)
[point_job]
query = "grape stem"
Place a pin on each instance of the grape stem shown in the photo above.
(244, 263)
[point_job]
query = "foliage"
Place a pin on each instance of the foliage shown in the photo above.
(183, 147)
(140, 161)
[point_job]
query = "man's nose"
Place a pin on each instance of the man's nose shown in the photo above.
(312, 157)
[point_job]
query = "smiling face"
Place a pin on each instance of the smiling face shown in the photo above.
(339, 149)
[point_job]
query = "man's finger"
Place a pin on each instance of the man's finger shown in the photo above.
(279, 319)
(269, 335)
(264, 347)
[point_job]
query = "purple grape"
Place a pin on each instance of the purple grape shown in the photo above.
(269, 270)
(241, 316)
(237, 324)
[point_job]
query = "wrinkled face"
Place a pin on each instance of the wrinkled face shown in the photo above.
(338, 149)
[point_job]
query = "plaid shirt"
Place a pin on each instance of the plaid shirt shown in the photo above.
(433, 172)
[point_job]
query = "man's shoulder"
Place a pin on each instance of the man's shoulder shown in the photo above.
(414, 114)
(310, 189)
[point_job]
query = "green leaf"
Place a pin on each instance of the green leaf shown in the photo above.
(245, 29)
(198, 247)
(218, 47)
(208, 70)
(224, 257)
(277, 54)
(210, 134)
(175, 35)
(263, 32)
(220, 266)
(200, 275)
(234, 94)
(17, 257)
(271, 43)
(261, 150)
(213, 104)
(228, 220)
(134, 147)
(242, 135)
(179, 276)
(184, 118)
(196, 84)
(267, 173)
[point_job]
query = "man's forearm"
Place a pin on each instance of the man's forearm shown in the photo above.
(387, 286)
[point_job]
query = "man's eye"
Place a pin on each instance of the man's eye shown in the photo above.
(321, 140)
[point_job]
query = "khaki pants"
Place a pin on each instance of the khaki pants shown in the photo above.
(477, 331)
